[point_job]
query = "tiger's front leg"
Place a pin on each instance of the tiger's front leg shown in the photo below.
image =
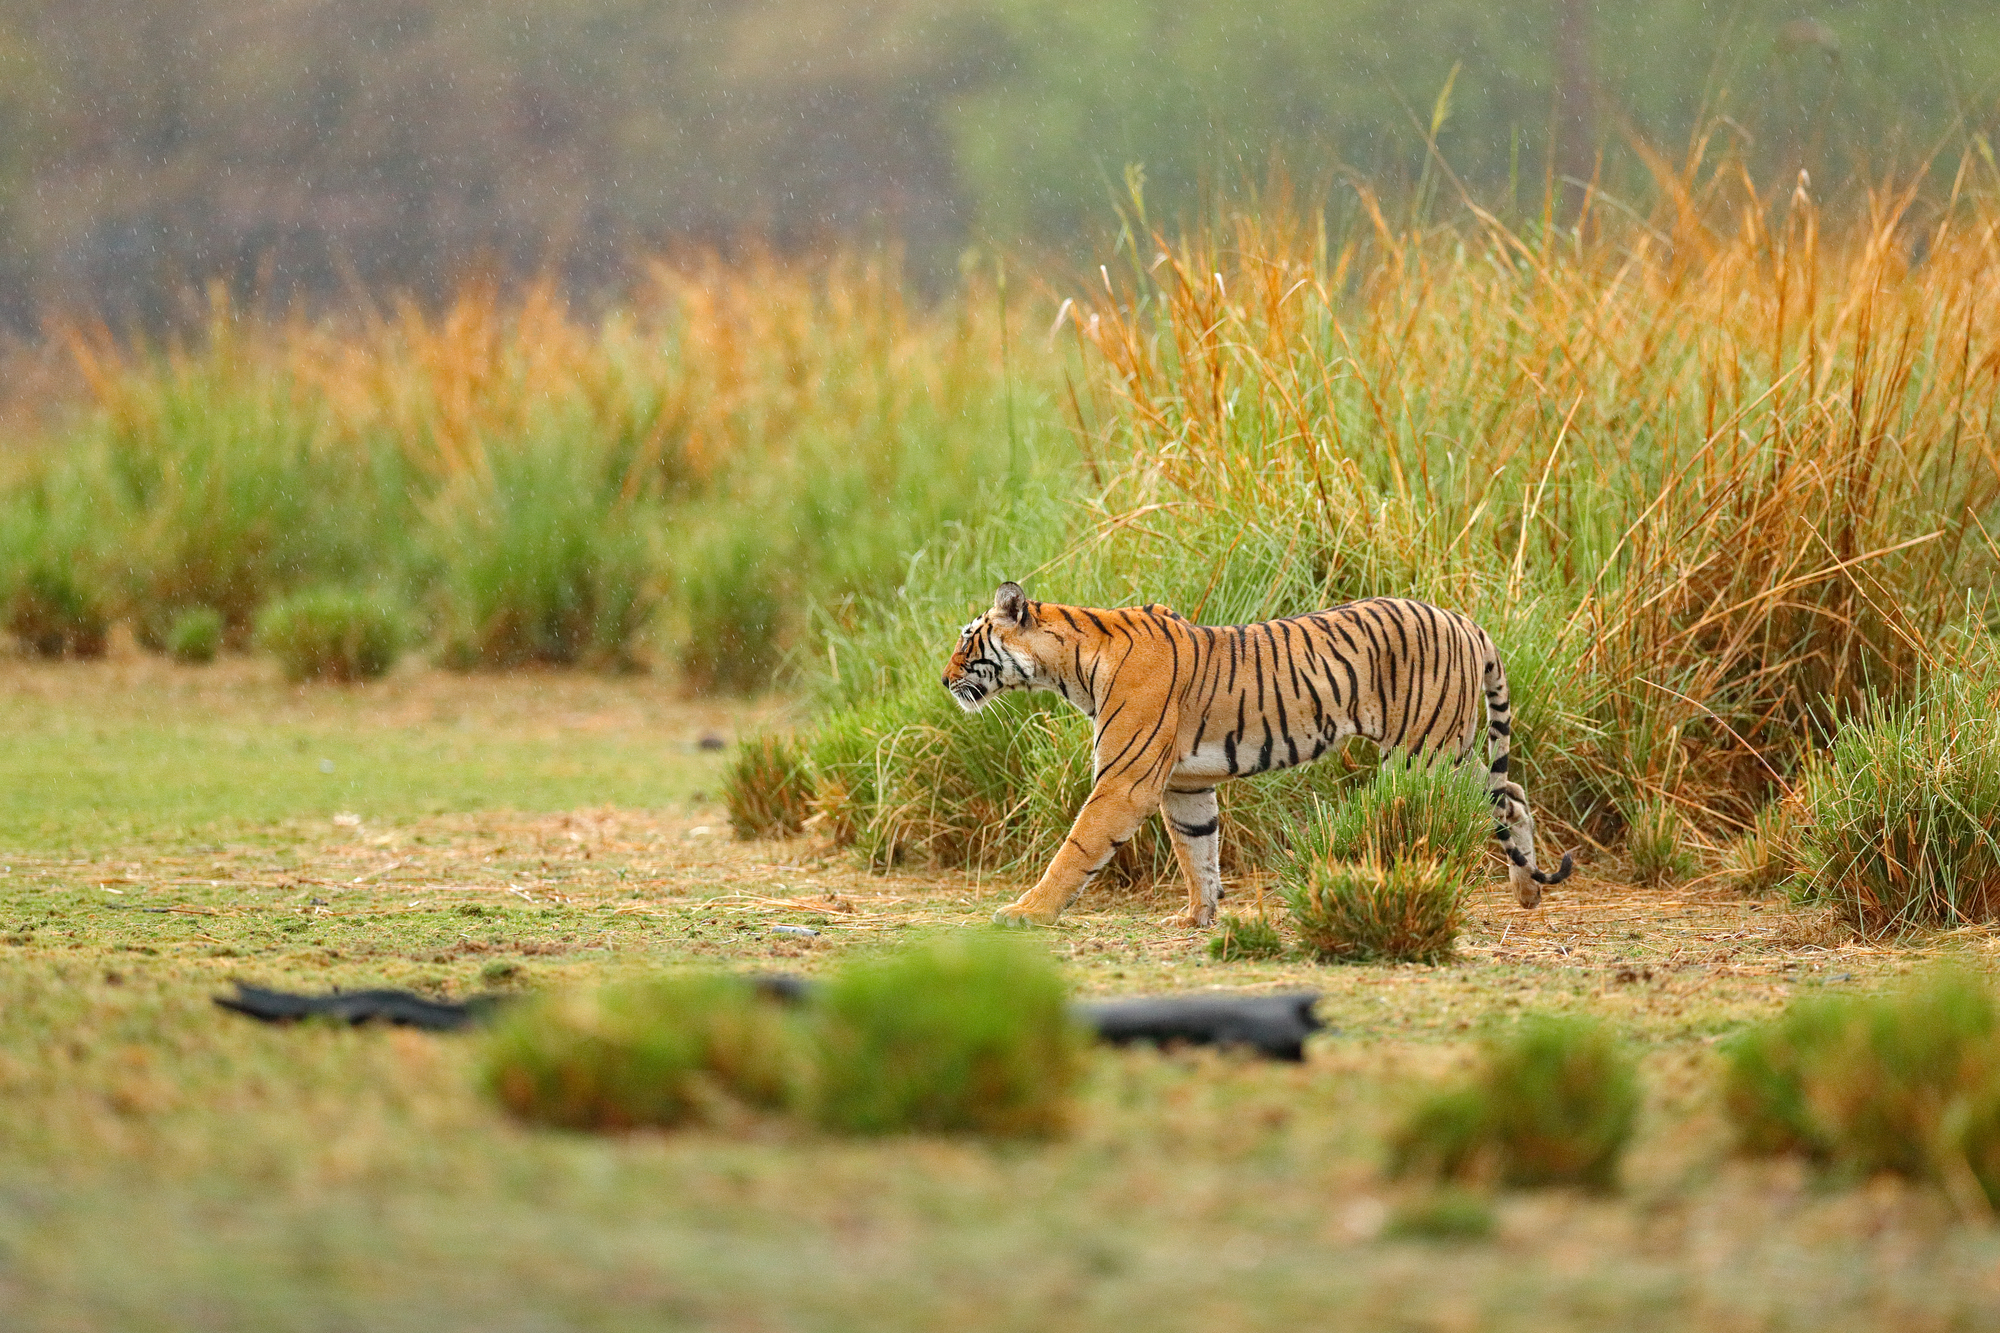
(1107, 822)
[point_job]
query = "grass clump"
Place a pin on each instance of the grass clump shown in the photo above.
(967, 1035)
(659, 1053)
(51, 596)
(1903, 816)
(1238, 938)
(1364, 911)
(1404, 812)
(195, 636)
(541, 563)
(730, 603)
(1766, 858)
(1647, 625)
(55, 614)
(1554, 1103)
(1908, 1084)
(1382, 873)
(331, 634)
(1656, 840)
(768, 789)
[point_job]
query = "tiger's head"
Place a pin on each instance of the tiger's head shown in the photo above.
(1005, 649)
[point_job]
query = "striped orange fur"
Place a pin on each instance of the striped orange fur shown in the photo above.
(1180, 707)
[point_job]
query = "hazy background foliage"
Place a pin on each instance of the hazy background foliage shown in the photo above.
(317, 148)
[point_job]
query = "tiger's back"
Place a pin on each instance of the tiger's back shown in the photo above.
(1404, 674)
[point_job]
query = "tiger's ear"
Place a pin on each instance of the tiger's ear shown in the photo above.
(1010, 604)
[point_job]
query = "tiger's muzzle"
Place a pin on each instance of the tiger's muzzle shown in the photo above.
(970, 693)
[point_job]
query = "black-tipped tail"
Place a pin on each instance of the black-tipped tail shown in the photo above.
(1542, 877)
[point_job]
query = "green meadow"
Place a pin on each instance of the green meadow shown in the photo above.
(1719, 474)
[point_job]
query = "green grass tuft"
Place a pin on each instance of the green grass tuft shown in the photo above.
(1238, 938)
(1904, 814)
(662, 1053)
(1656, 840)
(196, 635)
(1419, 812)
(51, 596)
(55, 614)
(1905, 1083)
(1364, 911)
(967, 1035)
(731, 606)
(1554, 1103)
(1765, 1087)
(541, 563)
(1381, 873)
(331, 634)
(768, 788)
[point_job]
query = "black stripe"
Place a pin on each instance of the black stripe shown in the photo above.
(1442, 677)
(1257, 666)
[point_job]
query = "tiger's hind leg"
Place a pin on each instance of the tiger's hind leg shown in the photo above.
(1194, 825)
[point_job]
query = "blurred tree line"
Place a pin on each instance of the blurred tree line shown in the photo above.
(306, 148)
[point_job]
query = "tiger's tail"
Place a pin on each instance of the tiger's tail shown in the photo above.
(1514, 826)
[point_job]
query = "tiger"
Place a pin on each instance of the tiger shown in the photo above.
(1179, 707)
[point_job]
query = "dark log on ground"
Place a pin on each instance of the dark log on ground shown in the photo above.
(1272, 1025)
(363, 1006)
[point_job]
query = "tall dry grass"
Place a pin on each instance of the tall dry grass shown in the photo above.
(1727, 470)
(1713, 477)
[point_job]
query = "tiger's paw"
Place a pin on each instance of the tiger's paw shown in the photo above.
(1190, 919)
(1022, 916)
